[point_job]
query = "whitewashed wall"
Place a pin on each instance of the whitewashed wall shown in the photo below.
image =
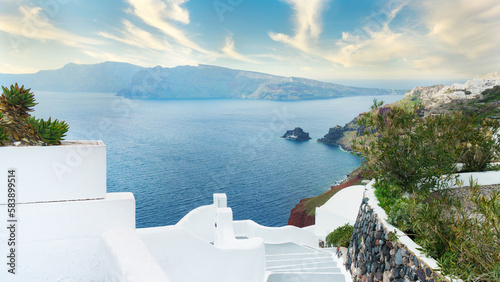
(72, 171)
(61, 241)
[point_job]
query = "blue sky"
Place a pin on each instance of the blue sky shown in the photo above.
(319, 39)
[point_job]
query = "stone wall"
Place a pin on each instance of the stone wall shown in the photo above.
(380, 252)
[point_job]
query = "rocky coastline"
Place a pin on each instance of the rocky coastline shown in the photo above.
(342, 136)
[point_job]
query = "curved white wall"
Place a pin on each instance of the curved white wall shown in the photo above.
(201, 222)
(342, 208)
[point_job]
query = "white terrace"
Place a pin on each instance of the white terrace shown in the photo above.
(69, 229)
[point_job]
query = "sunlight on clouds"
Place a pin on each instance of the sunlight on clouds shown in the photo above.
(379, 47)
(231, 52)
(428, 62)
(35, 24)
(375, 43)
(308, 24)
(468, 27)
(451, 36)
(8, 68)
(135, 36)
(144, 57)
(156, 13)
(106, 56)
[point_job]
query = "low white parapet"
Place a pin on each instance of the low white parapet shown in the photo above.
(482, 178)
(75, 170)
(274, 235)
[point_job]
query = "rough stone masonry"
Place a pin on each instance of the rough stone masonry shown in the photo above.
(375, 255)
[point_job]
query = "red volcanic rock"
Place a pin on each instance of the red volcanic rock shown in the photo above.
(346, 184)
(299, 217)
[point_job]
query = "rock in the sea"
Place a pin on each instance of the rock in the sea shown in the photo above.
(297, 135)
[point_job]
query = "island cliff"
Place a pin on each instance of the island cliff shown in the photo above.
(209, 82)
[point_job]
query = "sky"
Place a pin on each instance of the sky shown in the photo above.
(319, 39)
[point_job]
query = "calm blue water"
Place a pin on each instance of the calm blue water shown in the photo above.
(173, 155)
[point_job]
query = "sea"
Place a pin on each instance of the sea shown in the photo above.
(174, 154)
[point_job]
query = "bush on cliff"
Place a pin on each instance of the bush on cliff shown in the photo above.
(419, 154)
(462, 234)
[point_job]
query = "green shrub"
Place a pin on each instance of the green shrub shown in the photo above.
(419, 154)
(463, 235)
(340, 237)
(387, 194)
(401, 213)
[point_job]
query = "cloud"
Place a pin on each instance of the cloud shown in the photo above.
(231, 52)
(470, 28)
(34, 23)
(308, 24)
(374, 43)
(378, 48)
(135, 36)
(157, 13)
(8, 68)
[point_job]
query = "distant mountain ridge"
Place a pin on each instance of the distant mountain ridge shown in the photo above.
(103, 77)
(182, 82)
(205, 81)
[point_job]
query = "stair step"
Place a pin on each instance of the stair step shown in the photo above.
(292, 258)
(302, 264)
(316, 277)
(309, 270)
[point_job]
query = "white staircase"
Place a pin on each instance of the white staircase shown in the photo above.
(292, 262)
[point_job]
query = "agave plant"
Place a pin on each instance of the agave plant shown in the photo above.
(18, 127)
(3, 133)
(17, 100)
(50, 132)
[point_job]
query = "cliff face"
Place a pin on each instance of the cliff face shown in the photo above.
(438, 95)
(299, 217)
(436, 99)
(343, 135)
